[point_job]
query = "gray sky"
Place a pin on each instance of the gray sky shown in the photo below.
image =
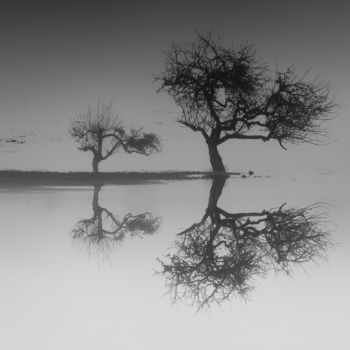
(59, 58)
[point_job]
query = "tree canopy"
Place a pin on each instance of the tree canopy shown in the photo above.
(227, 94)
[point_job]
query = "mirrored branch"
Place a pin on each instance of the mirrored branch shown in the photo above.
(222, 254)
(105, 231)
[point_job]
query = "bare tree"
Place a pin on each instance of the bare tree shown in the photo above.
(228, 94)
(224, 252)
(105, 230)
(98, 131)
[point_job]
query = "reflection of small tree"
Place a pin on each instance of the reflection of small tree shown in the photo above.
(227, 94)
(220, 255)
(99, 131)
(104, 230)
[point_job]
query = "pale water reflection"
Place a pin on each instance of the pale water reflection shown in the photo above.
(104, 231)
(55, 295)
(220, 256)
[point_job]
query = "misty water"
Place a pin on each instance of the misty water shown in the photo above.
(78, 266)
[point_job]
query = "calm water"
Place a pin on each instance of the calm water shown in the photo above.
(78, 266)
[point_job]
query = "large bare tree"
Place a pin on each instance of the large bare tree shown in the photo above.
(99, 131)
(228, 94)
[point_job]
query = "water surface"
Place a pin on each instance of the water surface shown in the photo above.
(65, 285)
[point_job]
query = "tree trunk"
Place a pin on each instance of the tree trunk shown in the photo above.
(215, 158)
(95, 204)
(215, 192)
(95, 163)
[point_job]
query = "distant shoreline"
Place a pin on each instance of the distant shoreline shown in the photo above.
(14, 178)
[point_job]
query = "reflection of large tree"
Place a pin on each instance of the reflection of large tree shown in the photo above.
(104, 230)
(220, 255)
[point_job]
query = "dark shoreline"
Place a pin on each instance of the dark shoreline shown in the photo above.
(14, 178)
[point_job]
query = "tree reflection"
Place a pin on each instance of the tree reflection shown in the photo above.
(105, 230)
(221, 255)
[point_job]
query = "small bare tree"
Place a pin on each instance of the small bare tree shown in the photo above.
(99, 131)
(228, 94)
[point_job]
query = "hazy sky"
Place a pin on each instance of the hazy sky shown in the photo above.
(56, 59)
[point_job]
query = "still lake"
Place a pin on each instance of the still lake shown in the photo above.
(78, 267)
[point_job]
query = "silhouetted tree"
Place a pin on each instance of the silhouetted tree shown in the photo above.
(98, 131)
(105, 230)
(227, 94)
(220, 255)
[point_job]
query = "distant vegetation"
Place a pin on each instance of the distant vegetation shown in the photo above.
(11, 178)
